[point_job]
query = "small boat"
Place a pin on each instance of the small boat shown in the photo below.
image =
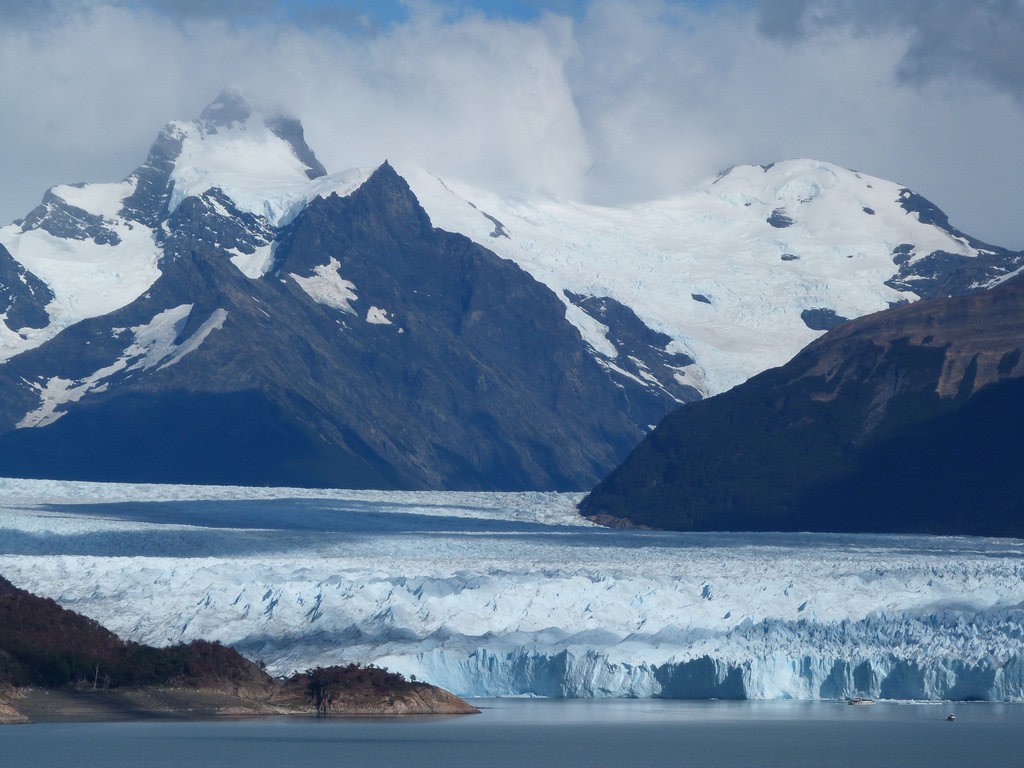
(951, 717)
(859, 701)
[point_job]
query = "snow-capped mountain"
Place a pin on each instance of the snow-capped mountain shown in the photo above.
(232, 313)
(742, 272)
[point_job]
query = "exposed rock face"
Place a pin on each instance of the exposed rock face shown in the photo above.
(377, 352)
(230, 313)
(149, 202)
(61, 219)
(941, 273)
(8, 698)
(904, 421)
(23, 296)
(643, 355)
(821, 319)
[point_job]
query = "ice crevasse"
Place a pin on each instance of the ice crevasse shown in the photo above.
(514, 595)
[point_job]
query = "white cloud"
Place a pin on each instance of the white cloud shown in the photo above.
(627, 102)
(487, 102)
(674, 94)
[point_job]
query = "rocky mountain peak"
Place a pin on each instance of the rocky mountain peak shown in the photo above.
(229, 108)
(290, 130)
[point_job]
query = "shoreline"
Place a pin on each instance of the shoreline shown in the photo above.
(63, 705)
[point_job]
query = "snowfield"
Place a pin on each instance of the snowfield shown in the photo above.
(707, 267)
(87, 279)
(513, 594)
(726, 269)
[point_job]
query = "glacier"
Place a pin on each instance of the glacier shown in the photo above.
(513, 594)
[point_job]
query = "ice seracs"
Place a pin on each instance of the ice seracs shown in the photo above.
(513, 594)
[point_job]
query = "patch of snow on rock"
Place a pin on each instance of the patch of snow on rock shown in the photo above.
(326, 286)
(154, 341)
(256, 264)
(153, 346)
(378, 316)
(213, 323)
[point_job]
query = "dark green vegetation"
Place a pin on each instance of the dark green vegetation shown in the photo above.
(42, 644)
(328, 687)
(910, 420)
(97, 675)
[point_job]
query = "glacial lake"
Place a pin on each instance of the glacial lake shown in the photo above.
(563, 733)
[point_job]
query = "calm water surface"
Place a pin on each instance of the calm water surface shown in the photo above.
(567, 734)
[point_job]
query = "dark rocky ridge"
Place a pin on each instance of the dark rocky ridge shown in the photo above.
(643, 355)
(23, 296)
(149, 202)
(290, 130)
(940, 273)
(61, 219)
(477, 382)
(198, 223)
(947, 274)
(908, 420)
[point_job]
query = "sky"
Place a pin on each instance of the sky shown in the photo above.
(603, 101)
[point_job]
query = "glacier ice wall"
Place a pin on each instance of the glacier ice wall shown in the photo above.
(511, 594)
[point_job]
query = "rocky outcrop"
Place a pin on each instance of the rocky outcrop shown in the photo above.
(23, 296)
(356, 690)
(9, 696)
